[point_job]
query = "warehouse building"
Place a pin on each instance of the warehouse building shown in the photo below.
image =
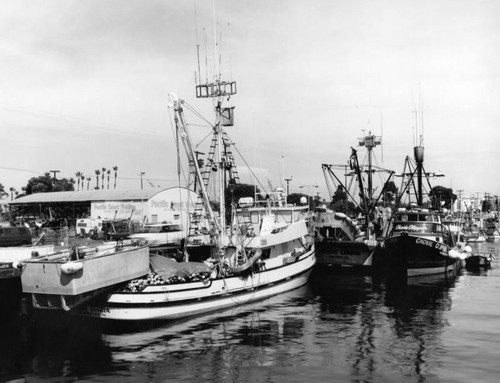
(144, 206)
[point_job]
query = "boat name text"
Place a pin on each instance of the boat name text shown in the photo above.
(412, 228)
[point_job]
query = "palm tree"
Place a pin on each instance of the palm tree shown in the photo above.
(78, 175)
(83, 180)
(12, 190)
(97, 173)
(103, 173)
(108, 172)
(88, 182)
(115, 168)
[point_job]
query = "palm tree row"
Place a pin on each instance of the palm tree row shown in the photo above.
(80, 177)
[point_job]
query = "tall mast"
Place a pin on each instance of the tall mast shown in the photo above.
(418, 150)
(370, 141)
(219, 90)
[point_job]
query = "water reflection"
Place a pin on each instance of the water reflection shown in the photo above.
(352, 327)
(262, 324)
(395, 324)
(46, 347)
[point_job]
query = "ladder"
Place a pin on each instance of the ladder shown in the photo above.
(209, 167)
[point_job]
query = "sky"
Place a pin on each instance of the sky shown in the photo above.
(85, 85)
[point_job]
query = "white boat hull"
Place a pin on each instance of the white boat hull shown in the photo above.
(167, 302)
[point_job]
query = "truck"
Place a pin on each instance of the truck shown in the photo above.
(87, 227)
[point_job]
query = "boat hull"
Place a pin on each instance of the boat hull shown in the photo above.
(174, 301)
(415, 256)
(107, 267)
(349, 254)
(477, 261)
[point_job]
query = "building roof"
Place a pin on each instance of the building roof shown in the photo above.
(87, 196)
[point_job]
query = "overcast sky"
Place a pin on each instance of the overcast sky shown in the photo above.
(85, 84)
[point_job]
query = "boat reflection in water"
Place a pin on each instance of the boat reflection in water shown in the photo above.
(394, 324)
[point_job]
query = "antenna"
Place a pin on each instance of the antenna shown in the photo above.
(421, 113)
(216, 69)
(382, 134)
(197, 42)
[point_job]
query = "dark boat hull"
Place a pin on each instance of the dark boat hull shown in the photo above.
(355, 254)
(477, 261)
(418, 256)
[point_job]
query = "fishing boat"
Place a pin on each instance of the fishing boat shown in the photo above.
(68, 278)
(418, 243)
(257, 248)
(342, 241)
(474, 236)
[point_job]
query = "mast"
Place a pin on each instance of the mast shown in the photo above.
(370, 141)
(192, 157)
(418, 152)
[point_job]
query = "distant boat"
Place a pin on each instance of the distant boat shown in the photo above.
(479, 260)
(474, 237)
(491, 229)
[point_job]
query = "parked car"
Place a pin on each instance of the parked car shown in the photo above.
(15, 236)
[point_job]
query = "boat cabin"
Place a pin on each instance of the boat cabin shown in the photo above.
(253, 216)
(419, 222)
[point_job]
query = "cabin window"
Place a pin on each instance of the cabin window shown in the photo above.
(255, 217)
(285, 216)
(296, 216)
(266, 253)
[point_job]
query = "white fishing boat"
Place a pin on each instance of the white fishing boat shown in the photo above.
(264, 250)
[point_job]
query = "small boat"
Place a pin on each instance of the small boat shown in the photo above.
(478, 259)
(261, 248)
(66, 279)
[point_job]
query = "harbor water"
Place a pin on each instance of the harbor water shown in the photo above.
(340, 327)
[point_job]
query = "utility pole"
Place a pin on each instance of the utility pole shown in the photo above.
(141, 174)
